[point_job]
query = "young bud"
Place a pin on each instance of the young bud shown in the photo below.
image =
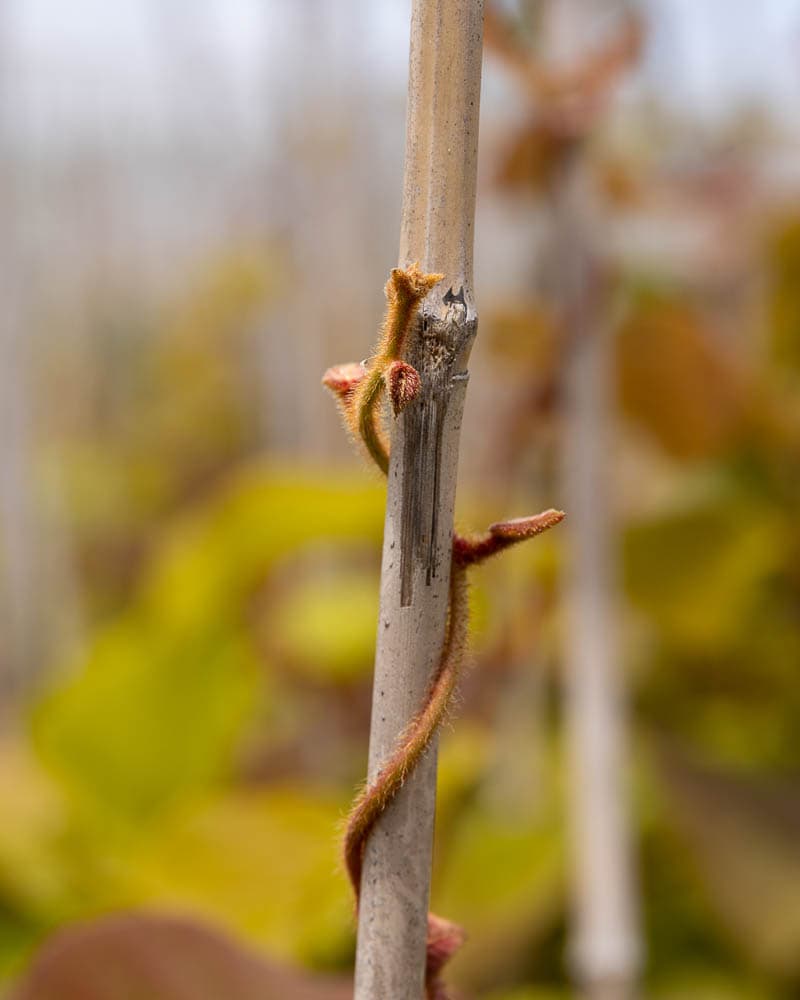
(403, 382)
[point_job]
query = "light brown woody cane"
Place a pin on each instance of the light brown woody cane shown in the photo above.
(359, 389)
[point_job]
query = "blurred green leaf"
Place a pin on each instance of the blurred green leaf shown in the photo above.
(211, 559)
(463, 755)
(530, 993)
(262, 864)
(502, 879)
(696, 571)
(35, 811)
(325, 625)
(783, 269)
(35, 888)
(700, 984)
(744, 837)
(162, 701)
(148, 717)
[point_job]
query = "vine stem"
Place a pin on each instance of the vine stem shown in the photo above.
(436, 230)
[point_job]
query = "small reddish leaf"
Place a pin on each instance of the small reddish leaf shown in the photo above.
(469, 550)
(518, 528)
(342, 379)
(444, 940)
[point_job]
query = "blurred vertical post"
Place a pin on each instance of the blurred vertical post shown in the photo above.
(437, 231)
(605, 940)
(18, 550)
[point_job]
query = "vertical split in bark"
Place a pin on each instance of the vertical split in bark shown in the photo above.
(437, 231)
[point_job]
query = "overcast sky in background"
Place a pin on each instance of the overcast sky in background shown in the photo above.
(75, 65)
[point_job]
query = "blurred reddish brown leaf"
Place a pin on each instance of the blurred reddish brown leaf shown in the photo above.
(531, 158)
(523, 333)
(673, 380)
(140, 956)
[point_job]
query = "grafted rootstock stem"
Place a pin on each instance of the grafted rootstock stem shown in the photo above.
(360, 391)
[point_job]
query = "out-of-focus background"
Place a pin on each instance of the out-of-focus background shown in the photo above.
(200, 204)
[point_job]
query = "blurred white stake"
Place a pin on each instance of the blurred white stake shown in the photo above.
(38, 595)
(17, 529)
(605, 940)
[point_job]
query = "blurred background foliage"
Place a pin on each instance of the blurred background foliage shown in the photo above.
(190, 554)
